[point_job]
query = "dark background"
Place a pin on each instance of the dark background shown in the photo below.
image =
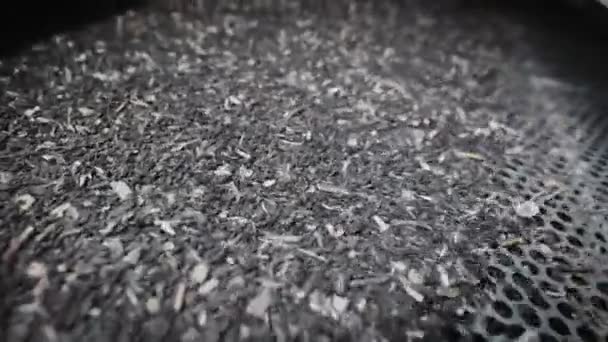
(572, 35)
(23, 22)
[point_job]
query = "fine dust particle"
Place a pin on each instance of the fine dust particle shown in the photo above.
(131, 296)
(66, 210)
(31, 111)
(415, 277)
(36, 270)
(469, 155)
(115, 246)
(352, 141)
(361, 304)
(153, 305)
(223, 170)
(194, 215)
(269, 183)
(382, 226)
(50, 333)
(443, 276)
(86, 111)
(340, 304)
(25, 202)
(398, 266)
(180, 292)
(258, 306)
(133, 256)
(514, 150)
(191, 335)
(448, 292)
(334, 231)
(95, 312)
(165, 226)
(199, 273)
(245, 332)
(208, 286)
(168, 246)
(201, 318)
(5, 177)
(417, 296)
(121, 189)
(527, 209)
(332, 189)
(16, 243)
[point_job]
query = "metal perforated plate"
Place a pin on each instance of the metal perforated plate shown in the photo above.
(552, 283)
